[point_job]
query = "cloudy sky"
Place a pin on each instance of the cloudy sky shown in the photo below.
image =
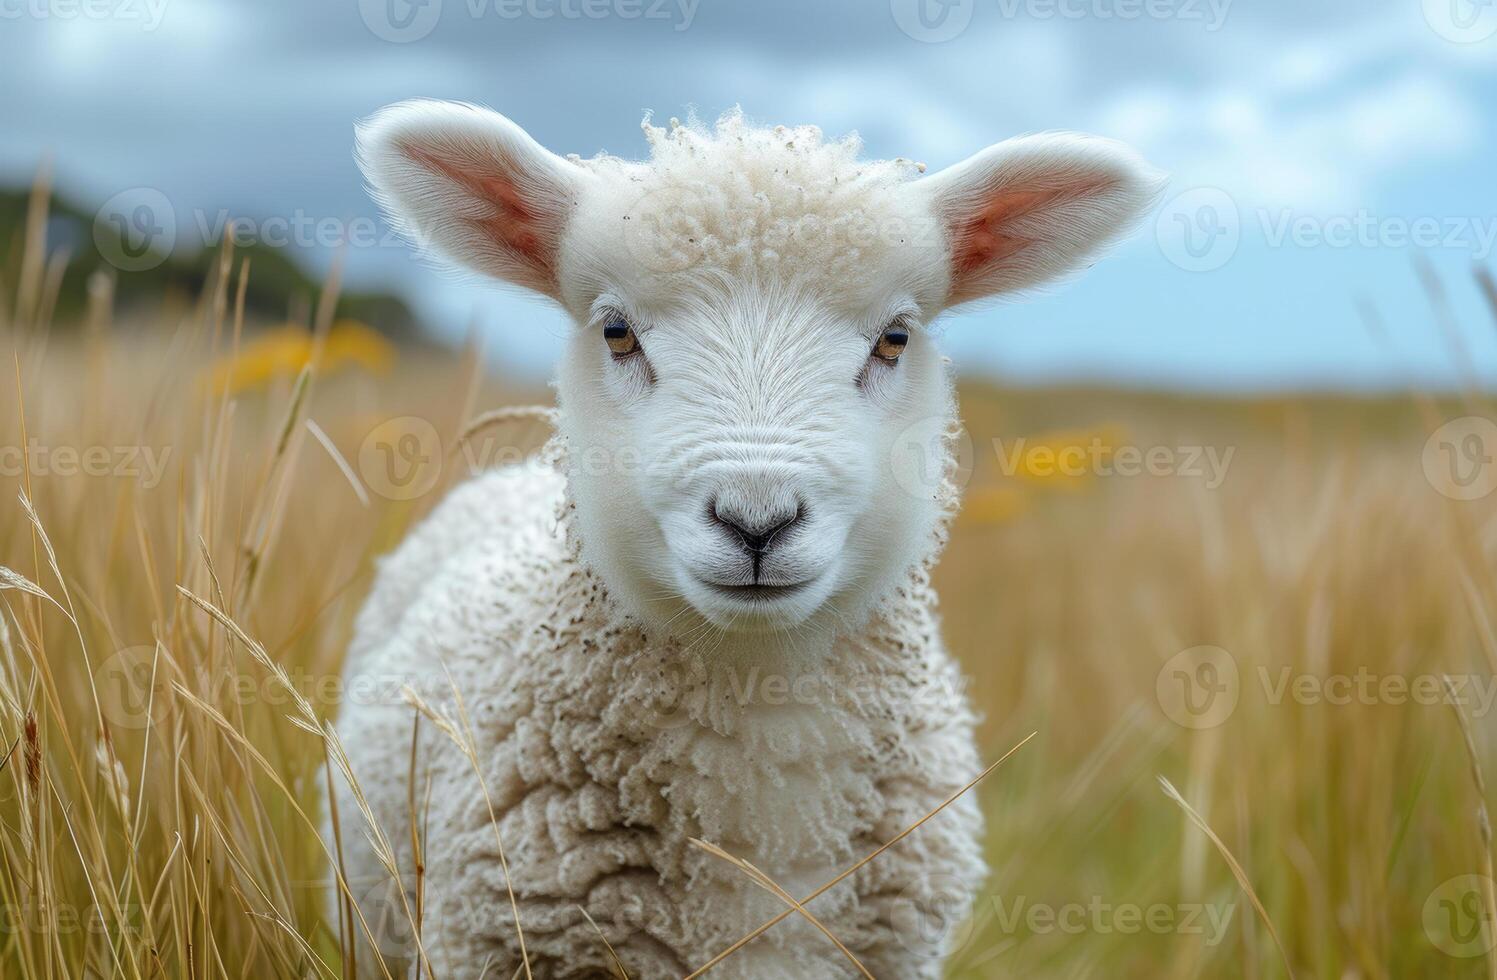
(1318, 150)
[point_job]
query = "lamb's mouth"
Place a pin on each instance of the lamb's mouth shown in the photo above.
(758, 593)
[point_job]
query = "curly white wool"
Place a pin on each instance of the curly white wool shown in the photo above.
(749, 200)
(604, 750)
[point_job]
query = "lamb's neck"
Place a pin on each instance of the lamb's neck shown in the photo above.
(757, 697)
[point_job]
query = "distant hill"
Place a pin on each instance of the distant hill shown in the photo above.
(279, 288)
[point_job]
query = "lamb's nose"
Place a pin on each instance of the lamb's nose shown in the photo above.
(758, 532)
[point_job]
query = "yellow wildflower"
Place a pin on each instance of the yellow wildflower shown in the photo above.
(285, 350)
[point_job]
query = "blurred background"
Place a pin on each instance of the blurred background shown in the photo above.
(1318, 147)
(1230, 509)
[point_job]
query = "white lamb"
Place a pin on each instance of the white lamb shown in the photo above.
(705, 612)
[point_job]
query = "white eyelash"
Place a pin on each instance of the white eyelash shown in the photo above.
(901, 316)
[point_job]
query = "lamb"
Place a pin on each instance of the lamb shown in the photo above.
(704, 611)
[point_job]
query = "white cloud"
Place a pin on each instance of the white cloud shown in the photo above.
(1319, 148)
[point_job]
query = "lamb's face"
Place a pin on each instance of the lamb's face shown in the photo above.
(732, 450)
(752, 381)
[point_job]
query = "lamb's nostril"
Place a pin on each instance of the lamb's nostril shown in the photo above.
(755, 534)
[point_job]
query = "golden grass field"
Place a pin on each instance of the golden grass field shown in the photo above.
(159, 796)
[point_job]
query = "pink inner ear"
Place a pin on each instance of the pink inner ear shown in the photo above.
(513, 224)
(988, 235)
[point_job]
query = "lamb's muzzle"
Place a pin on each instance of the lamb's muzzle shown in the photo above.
(705, 611)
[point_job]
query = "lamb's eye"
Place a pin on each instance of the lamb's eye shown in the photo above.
(620, 337)
(891, 344)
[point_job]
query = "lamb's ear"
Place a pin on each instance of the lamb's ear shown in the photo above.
(1030, 210)
(472, 186)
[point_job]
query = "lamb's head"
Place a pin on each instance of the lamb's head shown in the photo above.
(752, 383)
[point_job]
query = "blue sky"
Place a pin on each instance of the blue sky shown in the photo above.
(1317, 149)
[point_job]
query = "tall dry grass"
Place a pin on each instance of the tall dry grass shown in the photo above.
(160, 786)
(1326, 557)
(159, 803)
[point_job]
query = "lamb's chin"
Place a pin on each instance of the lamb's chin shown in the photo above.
(750, 610)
